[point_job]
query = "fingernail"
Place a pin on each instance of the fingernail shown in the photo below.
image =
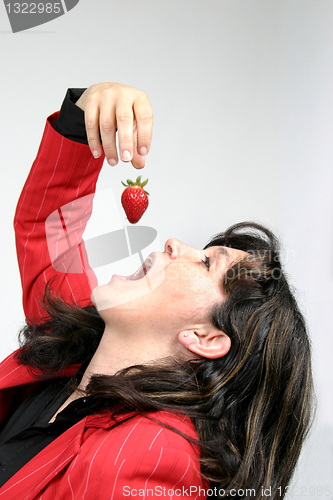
(95, 154)
(112, 162)
(126, 155)
(143, 151)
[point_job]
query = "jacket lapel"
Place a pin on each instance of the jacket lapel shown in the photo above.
(16, 382)
(41, 469)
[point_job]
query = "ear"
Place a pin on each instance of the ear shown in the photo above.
(206, 341)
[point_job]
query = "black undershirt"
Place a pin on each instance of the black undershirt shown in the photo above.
(28, 432)
(70, 122)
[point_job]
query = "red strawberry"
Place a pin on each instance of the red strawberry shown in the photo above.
(134, 199)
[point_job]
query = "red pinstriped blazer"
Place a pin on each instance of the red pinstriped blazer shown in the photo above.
(91, 460)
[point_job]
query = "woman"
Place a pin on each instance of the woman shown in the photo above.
(198, 386)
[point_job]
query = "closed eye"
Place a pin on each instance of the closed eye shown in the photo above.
(206, 261)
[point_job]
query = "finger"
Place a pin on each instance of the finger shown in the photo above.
(138, 161)
(107, 126)
(143, 114)
(124, 117)
(91, 118)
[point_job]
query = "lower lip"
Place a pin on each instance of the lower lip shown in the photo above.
(122, 278)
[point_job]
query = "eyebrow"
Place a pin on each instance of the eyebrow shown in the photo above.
(223, 251)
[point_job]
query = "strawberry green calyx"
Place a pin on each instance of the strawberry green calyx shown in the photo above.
(136, 184)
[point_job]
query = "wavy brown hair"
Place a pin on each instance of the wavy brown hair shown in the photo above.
(251, 408)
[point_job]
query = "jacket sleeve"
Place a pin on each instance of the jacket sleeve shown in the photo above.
(51, 215)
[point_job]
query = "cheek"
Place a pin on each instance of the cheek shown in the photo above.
(187, 288)
(206, 295)
(186, 273)
(186, 277)
(196, 297)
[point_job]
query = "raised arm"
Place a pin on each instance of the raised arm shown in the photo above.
(55, 203)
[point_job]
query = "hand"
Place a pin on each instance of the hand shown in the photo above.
(111, 106)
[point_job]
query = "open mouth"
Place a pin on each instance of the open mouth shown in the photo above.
(142, 271)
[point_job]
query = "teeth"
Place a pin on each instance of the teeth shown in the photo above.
(149, 262)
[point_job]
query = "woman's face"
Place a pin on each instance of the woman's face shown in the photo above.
(178, 286)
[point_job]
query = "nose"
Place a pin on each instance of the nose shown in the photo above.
(176, 248)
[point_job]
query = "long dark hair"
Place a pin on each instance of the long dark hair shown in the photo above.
(251, 408)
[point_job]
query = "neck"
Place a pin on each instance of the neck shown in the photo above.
(121, 349)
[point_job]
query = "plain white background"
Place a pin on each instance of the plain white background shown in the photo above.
(242, 95)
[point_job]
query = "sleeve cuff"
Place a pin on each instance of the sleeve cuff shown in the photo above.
(70, 122)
